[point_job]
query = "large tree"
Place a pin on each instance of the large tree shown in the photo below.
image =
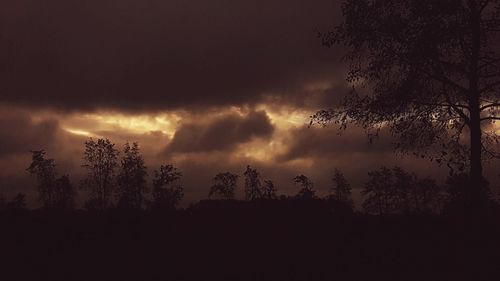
(429, 70)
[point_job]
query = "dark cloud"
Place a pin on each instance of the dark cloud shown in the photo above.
(19, 134)
(330, 142)
(155, 54)
(223, 134)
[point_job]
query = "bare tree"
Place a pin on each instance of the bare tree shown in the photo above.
(429, 71)
(131, 178)
(224, 185)
(167, 192)
(100, 160)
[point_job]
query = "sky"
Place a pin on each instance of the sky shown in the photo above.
(208, 86)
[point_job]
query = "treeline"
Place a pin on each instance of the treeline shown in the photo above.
(118, 180)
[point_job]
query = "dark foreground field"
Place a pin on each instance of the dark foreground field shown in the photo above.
(247, 241)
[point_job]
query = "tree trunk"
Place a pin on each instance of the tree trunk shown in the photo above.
(476, 167)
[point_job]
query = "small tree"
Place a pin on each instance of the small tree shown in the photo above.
(18, 202)
(224, 185)
(306, 191)
(131, 179)
(100, 160)
(252, 184)
(53, 192)
(377, 191)
(45, 171)
(341, 190)
(167, 192)
(395, 191)
(269, 190)
(65, 194)
(427, 196)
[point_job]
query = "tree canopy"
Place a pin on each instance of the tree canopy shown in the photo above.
(429, 71)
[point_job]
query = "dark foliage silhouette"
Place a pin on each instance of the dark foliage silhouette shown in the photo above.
(224, 186)
(341, 189)
(100, 160)
(18, 203)
(456, 189)
(167, 191)
(253, 186)
(65, 193)
(53, 192)
(131, 178)
(269, 190)
(428, 71)
(307, 187)
(395, 191)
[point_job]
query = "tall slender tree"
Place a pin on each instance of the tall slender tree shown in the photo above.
(341, 189)
(131, 178)
(54, 192)
(45, 171)
(269, 190)
(253, 185)
(429, 70)
(100, 160)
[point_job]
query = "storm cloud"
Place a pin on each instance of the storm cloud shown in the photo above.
(141, 55)
(222, 134)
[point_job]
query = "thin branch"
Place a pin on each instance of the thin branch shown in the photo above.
(496, 104)
(490, 118)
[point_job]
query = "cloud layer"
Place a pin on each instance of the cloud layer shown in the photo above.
(156, 55)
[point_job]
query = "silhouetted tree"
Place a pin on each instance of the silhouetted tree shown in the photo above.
(426, 196)
(377, 191)
(341, 189)
(306, 191)
(456, 190)
(18, 202)
(252, 184)
(131, 178)
(396, 191)
(45, 171)
(53, 192)
(269, 190)
(65, 194)
(100, 160)
(429, 70)
(224, 185)
(167, 192)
